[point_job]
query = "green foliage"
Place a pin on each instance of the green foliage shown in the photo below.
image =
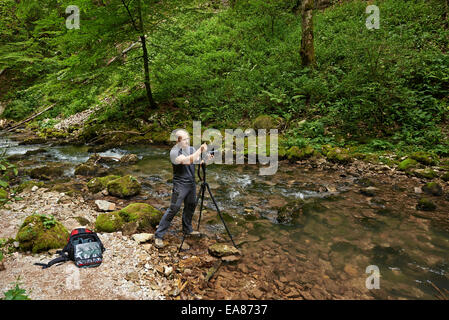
(227, 65)
(16, 293)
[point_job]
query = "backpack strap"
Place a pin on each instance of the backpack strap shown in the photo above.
(62, 258)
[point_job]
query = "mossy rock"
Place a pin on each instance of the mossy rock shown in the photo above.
(46, 172)
(40, 233)
(407, 164)
(264, 122)
(109, 222)
(339, 155)
(290, 212)
(426, 158)
(91, 167)
(4, 195)
(27, 185)
(124, 187)
(425, 204)
(424, 173)
(433, 188)
(445, 177)
(99, 183)
(142, 213)
(295, 153)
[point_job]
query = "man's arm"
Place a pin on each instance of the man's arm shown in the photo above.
(182, 159)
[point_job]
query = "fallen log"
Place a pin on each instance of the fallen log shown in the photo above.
(30, 118)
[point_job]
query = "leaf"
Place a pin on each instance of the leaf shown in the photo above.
(4, 184)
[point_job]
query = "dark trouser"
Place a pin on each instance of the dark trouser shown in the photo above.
(181, 192)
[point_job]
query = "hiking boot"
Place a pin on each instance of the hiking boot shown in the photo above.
(158, 243)
(194, 234)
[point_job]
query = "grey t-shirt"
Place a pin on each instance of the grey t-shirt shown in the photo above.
(182, 173)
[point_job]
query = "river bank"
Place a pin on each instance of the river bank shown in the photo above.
(307, 232)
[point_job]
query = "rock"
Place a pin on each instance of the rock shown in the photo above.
(142, 237)
(100, 183)
(185, 246)
(290, 212)
(424, 173)
(433, 188)
(258, 294)
(221, 250)
(91, 167)
(231, 259)
(124, 187)
(407, 164)
(39, 233)
(418, 190)
(425, 204)
(369, 191)
(109, 222)
(142, 214)
(339, 155)
(16, 244)
(168, 270)
(445, 177)
(129, 158)
(264, 122)
(426, 158)
(46, 172)
(351, 270)
(147, 246)
(34, 188)
(297, 154)
(105, 205)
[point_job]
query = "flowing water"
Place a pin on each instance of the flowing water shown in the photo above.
(327, 249)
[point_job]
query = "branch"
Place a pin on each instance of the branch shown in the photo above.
(130, 15)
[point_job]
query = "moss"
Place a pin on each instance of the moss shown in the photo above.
(424, 173)
(425, 204)
(338, 155)
(40, 233)
(445, 177)
(142, 214)
(425, 158)
(97, 184)
(109, 222)
(124, 187)
(145, 214)
(46, 172)
(264, 122)
(407, 164)
(27, 185)
(433, 188)
(295, 153)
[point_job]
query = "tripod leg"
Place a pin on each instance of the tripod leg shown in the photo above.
(182, 242)
(219, 213)
(203, 188)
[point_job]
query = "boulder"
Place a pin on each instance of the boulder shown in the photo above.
(46, 172)
(222, 250)
(424, 173)
(339, 155)
(134, 217)
(407, 164)
(129, 158)
(142, 237)
(426, 158)
(39, 233)
(124, 187)
(100, 183)
(425, 204)
(295, 153)
(433, 188)
(91, 167)
(109, 222)
(103, 205)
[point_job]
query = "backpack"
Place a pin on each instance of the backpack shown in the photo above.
(84, 247)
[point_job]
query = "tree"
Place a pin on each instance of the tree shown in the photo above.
(307, 50)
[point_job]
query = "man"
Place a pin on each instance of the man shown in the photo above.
(182, 156)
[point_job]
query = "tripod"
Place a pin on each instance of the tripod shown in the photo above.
(205, 185)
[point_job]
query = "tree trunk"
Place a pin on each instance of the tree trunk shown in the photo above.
(307, 50)
(145, 59)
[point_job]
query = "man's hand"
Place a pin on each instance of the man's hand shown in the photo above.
(203, 147)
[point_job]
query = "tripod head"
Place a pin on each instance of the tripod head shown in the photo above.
(203, 165)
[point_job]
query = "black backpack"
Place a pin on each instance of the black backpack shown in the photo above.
(84, 247)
